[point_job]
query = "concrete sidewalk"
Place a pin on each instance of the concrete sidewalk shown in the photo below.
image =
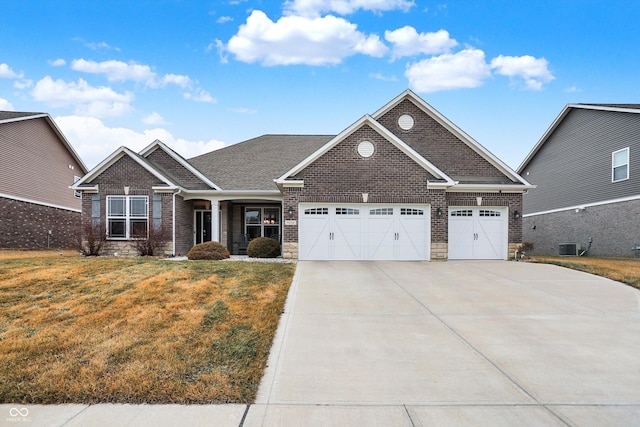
(408, 344)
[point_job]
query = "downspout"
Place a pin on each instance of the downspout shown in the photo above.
(173, 240)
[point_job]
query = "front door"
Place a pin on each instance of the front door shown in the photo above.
(202, 226)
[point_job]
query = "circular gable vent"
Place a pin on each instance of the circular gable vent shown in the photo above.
(405, 122)
(366, 149)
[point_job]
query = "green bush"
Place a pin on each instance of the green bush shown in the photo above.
(263, 247)
(209, 251)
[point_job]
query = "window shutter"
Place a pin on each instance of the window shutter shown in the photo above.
(157, 211)
(95, 209)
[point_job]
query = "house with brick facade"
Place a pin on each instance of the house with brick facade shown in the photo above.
(38, 165)
(403, 183)
(585, 167)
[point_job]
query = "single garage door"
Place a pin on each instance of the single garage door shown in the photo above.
(364, 232)
(478, 233)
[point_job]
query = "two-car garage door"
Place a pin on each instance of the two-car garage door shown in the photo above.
(364, 232)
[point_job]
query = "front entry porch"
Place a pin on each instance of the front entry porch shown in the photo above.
(234, 223)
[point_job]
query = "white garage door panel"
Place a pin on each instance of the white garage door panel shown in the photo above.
(477, 233)
(314, 244)
(364, 232)
(347, 234)
(412, 235)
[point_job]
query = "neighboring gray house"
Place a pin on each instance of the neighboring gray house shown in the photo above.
(37, 168)
(587, 171)
(401, 184)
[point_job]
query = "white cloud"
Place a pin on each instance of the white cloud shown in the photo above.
(299, 40)
(464, 69)
(224, 19)
(99, 101)
(7, 73)
(200, 95)
(344, 7)
(407, 42)
(94, 141)
(573, 89)
(5, 105)
(23, 84)
(58, 62)
(154, 119)
(382, 77)
(177, 79)
(533, 72)
(118, 71)
(96, 46)
(242, 110)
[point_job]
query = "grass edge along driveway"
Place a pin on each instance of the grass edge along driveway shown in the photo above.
(135, 330)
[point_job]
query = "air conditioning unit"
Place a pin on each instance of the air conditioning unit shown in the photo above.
(569, 249)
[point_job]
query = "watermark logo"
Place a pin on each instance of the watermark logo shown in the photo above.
(18, 415)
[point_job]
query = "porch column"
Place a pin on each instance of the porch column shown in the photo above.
(215, 220)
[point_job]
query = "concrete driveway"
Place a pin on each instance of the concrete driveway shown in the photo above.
(453, 343)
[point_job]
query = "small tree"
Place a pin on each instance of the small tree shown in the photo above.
(153, 244)
(91, 238)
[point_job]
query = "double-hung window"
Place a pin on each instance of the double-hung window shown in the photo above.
(127, 217)
(620, 165)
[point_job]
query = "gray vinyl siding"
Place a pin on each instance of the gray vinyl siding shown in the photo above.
(34, 164)
(573, 167)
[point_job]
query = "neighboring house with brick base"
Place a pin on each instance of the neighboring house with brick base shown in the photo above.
(38, 209)
(401, 184)
(586, 169)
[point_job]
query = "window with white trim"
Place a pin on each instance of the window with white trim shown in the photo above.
(407, 211)
(620, 165)
(347, 211)
(127, 217)
(465, 212)
(381, 211)
(316, 211)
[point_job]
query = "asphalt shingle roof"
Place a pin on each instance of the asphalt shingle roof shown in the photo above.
(255, 163)
(8, 115)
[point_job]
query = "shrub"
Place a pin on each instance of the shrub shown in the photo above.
(263, 247)
(209, 251)
(526, 247)
(91, 238)
(153, 244)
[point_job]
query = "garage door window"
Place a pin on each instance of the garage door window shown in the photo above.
(317, 211)
(347, 211)
(484, 212)
(405, 211)
(462, 213)
(381, 211)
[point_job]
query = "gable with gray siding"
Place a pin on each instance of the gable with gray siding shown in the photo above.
(574, 165)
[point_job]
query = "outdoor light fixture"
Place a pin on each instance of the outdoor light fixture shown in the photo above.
(439, 212)
(290, 211)
(516, 214)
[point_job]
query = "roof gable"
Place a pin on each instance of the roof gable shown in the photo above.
(366, 120)
(454, 130)
(193, 176)
(85, 182)
(15, 116)
(619, 108)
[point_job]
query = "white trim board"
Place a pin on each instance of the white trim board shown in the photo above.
(583, 206)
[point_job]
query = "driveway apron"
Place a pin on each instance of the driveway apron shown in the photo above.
(453, 343)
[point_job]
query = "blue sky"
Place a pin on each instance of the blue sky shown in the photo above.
(199, 75)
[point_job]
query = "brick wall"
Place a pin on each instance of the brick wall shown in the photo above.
(125, 172)
(26, 225)
(175, 170)
(436, 144)
(612, 227)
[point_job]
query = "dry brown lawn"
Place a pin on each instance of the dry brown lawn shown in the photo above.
(625, 270)
(135, 330)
